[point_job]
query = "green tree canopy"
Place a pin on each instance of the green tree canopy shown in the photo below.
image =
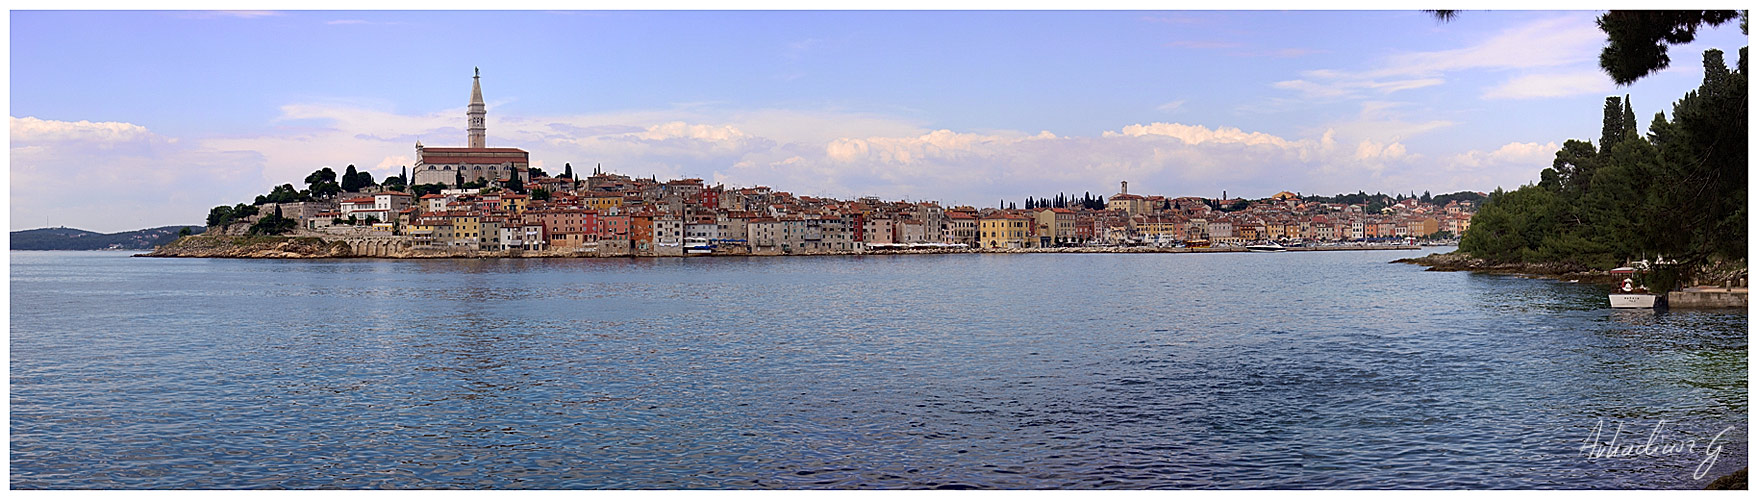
(1637, 40)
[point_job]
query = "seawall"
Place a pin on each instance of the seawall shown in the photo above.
(1707, 298)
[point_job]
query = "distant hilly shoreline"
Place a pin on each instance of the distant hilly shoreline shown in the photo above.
(65, 238)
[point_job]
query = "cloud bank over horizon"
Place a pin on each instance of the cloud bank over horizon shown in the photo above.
(124, 168)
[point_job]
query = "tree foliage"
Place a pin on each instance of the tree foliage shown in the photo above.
(283, 194)
(223, 215)
(1637, 40)
(272, 224)
(322, 175)
(420, 190)
(1679, 191)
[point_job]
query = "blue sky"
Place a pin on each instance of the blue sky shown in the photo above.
(154, 117)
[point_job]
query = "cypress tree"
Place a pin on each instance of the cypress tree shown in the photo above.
(1630, 131)
(1611, 127)
(351, 179)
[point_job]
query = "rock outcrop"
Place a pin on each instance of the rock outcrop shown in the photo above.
(252, 247)
(1460, 261)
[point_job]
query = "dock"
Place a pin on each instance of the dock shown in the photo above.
(1707, 298)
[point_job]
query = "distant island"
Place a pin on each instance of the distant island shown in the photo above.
(64, 238)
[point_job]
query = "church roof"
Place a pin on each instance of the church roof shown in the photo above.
(473, 160)
(472, 150)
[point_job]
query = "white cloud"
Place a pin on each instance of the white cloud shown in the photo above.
(1542, 45)
(1545, 43)
(30, 129)
(814, 153)
(1171, 107)
(1541, 85)
(117, 176)
(1333, 88)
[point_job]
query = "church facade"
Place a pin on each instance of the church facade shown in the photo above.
(475, 162)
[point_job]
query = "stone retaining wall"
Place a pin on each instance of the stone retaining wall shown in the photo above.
(1706, 299)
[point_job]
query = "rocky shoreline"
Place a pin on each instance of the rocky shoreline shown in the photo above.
(1457, 261)
(313, 247)
(252, 247)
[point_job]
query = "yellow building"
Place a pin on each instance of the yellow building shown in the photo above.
(603, 204)
(514, 203)
(466, 229)
(1004, 231)
(1160, 228)
(1055, 227)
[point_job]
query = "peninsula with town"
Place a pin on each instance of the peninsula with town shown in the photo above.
(480, 201)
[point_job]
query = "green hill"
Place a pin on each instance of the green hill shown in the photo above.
(62, 238)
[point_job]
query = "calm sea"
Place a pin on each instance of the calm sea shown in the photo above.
(1293, 370)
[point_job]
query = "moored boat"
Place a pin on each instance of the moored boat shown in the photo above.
(1267, 247)
(698, 246)
(1631, 295)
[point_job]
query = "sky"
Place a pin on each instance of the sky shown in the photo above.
(122, 120)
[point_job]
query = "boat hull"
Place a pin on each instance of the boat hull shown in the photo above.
(1633, 301)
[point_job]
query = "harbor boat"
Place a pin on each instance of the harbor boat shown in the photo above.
(698, 246)
(1631, 295)
(1267, 247)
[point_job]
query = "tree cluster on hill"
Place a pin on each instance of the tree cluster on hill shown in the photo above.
(1062, 200)
(223, 215)
(283, 194)
(1678, 191)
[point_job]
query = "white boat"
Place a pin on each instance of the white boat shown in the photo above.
(1267, 247)
(1634, 300)
(1629, 295)
(698, 246)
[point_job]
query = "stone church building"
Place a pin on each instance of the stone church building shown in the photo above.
(477, 161)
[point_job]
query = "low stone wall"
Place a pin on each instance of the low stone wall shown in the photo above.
(1707, 299)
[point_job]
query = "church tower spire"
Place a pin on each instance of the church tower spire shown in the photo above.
(477, 114)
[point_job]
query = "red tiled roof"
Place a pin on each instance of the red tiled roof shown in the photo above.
(431, 196)
(469, 159)
(473, 150)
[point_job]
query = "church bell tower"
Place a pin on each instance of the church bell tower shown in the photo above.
(477, 114)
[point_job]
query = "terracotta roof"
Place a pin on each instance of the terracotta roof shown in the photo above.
(425, 159)
(472, 150)
(392, 193)
(431, 196)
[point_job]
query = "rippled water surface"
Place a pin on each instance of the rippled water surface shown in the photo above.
(1295, 370)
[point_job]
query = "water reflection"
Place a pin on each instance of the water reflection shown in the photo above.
(1312, 370)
